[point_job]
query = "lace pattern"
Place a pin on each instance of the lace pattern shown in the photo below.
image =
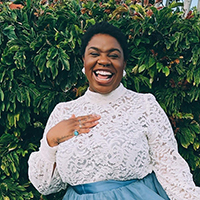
(133, 138)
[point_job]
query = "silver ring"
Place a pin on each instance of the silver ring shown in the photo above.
(80, 123)
(76, 133)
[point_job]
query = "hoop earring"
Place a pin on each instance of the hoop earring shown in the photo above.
(83, 70)
(124, 73)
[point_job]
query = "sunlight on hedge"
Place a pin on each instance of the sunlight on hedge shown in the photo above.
(40, 65)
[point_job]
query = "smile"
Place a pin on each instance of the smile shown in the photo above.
(103, 76)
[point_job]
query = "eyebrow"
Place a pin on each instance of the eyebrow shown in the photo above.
(110, 50)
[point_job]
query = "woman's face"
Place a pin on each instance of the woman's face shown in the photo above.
(104, 63)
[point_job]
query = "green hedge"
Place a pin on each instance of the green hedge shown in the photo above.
(40, 65)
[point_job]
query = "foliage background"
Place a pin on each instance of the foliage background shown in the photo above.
(40, 65)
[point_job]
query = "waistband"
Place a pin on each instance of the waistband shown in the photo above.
(90, 188)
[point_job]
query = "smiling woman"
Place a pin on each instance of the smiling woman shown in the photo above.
(126, 150)
(104, 63)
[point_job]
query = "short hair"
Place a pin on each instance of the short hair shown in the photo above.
(108, 29)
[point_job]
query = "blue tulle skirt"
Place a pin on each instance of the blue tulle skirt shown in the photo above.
(147, 188)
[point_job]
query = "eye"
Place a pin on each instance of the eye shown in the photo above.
(113, 55)
(94, 54)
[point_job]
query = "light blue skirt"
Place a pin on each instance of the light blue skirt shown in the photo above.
(147, 188)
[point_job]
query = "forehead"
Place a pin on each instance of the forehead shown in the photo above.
(103, 42)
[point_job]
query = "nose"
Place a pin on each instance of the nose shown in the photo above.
(104, 65)
(104, 61)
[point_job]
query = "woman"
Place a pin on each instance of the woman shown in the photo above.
(111, 143)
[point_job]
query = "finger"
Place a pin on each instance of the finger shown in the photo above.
(83, 124)
(89, 124)
(89, 118)
(86, 127)
(83, 130)
(88, 121)
(73, 116)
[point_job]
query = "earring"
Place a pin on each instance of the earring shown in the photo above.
(83, 70)
(124, 73)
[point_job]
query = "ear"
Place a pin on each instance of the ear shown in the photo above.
(124, 65)
(83, 58)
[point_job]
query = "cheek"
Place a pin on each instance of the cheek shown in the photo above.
(84, 62)
(120, 66)
(87, 63)
(88, 68)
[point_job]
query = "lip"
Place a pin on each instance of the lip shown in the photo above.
(99, 79)
(103, 69)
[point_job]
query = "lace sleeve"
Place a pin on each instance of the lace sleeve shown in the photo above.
(41, 170)
(171, 169)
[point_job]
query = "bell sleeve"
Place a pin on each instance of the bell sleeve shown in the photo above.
(171, 170)
(42, 171)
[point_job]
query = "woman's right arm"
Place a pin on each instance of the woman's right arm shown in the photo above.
(43, 173)
(42, 164)
(42, 170)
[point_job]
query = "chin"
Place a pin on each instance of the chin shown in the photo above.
(102, 89)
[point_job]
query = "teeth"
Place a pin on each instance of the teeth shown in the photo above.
(104, 73)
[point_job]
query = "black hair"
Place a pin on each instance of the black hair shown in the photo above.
(105, 28)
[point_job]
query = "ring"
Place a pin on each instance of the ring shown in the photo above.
(80, 123)
(76, 133)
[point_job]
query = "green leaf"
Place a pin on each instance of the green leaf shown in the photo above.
(21, 188)
(2, 19)
(194, 39)
(10, 119)
(9, 31)
(196, 145)
(54, 71)
(2, 106)
(159, 66)
(151, 62)
(197, 77)
(12, 167)
(137, 42)
(28, 99)
(184, 142)
(2, 74)
(40, 61)
(141, 68)
(138, 51)
(52, 53)
(64, 58)
(1, 94)
(28, 2)
(50, 63)
(196, 54)
(4, 187)
(189, 137)
(175, 4)
(195, 127)
(90, 21)
(19, 96)
(166, 71)
(6, 198)
(14, 48)
(20, 59)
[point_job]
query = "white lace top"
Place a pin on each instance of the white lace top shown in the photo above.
(133, 138)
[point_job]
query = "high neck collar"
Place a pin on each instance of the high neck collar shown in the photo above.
(98, 98)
